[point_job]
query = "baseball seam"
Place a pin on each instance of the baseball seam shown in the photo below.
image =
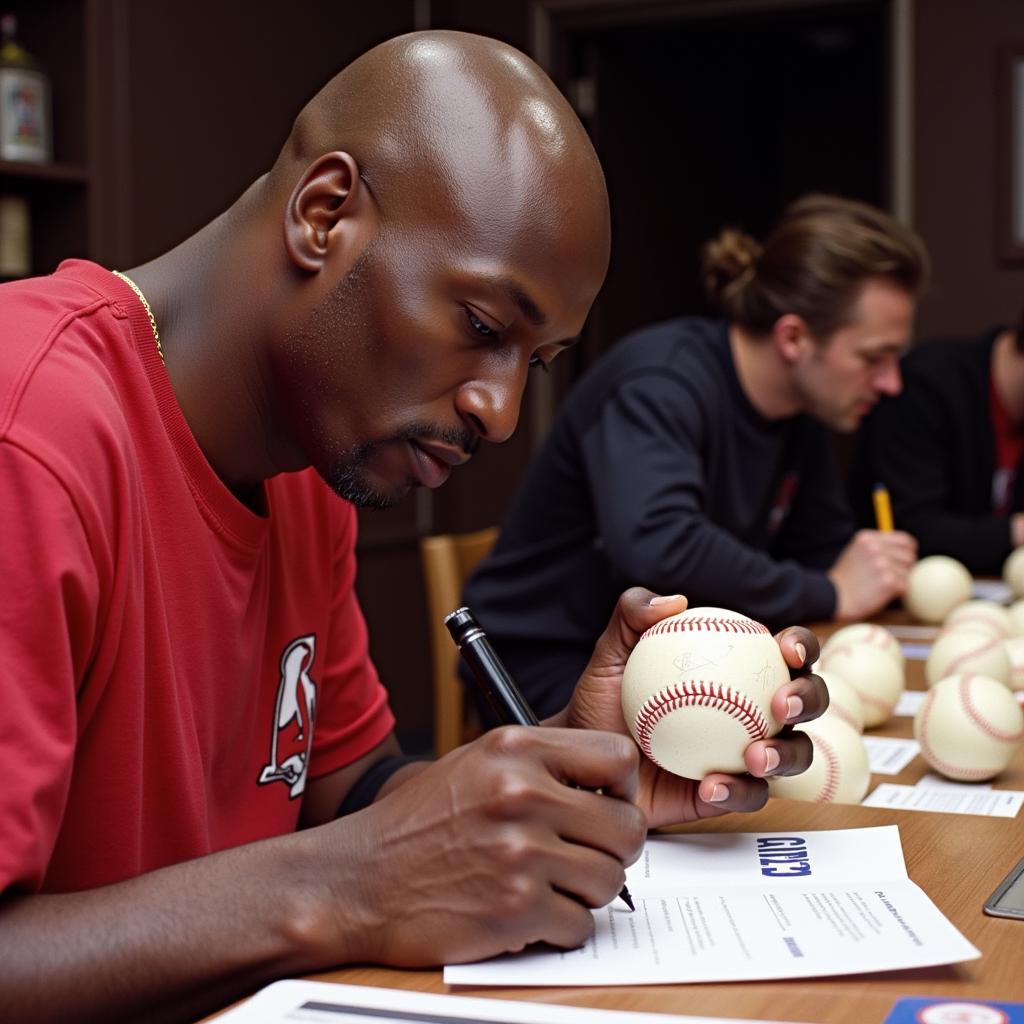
(954, 666)
(705, 624)
(697, 693)
(979, 720)
(932, 757)
(830, 786)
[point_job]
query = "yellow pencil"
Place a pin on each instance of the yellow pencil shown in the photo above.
(883, 508)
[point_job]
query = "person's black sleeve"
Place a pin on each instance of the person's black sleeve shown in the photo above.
(821, 522)
(910, 453)
(643, 462)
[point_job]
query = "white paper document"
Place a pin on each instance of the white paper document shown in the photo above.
(915, 651)
(321, 1002)
(910, 703)
(890, 755)
(993, 803)
(749, 906)
(992, 590)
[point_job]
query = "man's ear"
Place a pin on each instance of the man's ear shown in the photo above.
(791, 337)
(329, 195)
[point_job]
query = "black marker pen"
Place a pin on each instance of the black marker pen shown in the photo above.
(494, 681)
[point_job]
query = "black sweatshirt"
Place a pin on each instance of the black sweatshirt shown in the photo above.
(934, 448)
(659, 472)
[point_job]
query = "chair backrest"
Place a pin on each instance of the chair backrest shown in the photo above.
(448, 559)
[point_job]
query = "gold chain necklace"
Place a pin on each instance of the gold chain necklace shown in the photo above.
(145, 305)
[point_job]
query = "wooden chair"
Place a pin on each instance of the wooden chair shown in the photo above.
(448, 559)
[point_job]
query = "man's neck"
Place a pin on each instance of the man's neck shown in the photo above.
(763, 376)
(210, 308)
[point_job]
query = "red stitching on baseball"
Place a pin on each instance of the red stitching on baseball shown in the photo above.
(976, 717)
(952, 668)
(697, 693)
(933, 758)
(705, 623)
(831, 785)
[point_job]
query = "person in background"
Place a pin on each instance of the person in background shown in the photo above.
(694, 455)
(202, 790)
(949, 448)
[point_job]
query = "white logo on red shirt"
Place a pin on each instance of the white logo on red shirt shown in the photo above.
(291, 737)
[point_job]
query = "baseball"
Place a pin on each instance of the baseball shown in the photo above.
(979, 614)
(875, 676)
(870, 635)
(1014, 648)
(1013, 571)
(1016, 613)
(968, 650)
(969, 727)
(697, 690)
(843, 701)
(840, 772)
(935, 586)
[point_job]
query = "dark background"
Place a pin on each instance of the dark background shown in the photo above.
(704, 113)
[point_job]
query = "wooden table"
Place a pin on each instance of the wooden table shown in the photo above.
(957, 859)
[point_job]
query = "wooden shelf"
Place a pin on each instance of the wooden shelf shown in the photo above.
(70, 173)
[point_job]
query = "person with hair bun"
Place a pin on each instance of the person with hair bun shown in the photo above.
(694, 456)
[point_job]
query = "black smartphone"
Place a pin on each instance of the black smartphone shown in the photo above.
(1008, 899)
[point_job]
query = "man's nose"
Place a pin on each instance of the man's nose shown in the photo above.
(491, 405)
(888, 379)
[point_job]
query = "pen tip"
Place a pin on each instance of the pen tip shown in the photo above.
(626, 898)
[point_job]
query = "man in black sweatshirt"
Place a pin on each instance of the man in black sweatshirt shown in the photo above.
(949, 449)
(692, 457)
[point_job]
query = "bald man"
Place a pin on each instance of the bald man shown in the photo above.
(201, 787)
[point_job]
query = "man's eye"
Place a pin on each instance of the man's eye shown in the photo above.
(479, 327)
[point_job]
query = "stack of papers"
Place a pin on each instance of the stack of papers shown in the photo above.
(747, 906)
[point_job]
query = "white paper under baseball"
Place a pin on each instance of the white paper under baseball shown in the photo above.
(875, 676)
(1013, 571)
(697, 690)
(870, 635)
(840, 772)
(980, 614)
(969, 727)
(1014, 648)
(935, 586)
(843, 701)
(969, 649)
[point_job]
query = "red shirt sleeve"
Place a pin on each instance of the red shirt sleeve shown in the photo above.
(47, 625)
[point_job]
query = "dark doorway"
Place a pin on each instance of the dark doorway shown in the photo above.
(706, 121)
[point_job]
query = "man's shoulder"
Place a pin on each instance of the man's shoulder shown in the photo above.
(683, 351)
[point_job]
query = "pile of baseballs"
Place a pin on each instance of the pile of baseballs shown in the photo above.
(971, 723)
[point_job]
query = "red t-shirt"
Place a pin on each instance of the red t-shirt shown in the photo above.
(164, 649)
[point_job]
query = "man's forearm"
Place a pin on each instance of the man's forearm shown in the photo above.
(170, 945)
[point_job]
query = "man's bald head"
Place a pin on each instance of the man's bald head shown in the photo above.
(442, 124)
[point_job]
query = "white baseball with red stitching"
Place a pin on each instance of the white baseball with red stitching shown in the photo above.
(935, 586)
(840, 772)
(968, 649)
(875, 676)
(867, 634)
(697, 690)
(969, 727)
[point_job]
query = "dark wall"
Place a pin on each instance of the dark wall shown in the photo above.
(955, 144)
